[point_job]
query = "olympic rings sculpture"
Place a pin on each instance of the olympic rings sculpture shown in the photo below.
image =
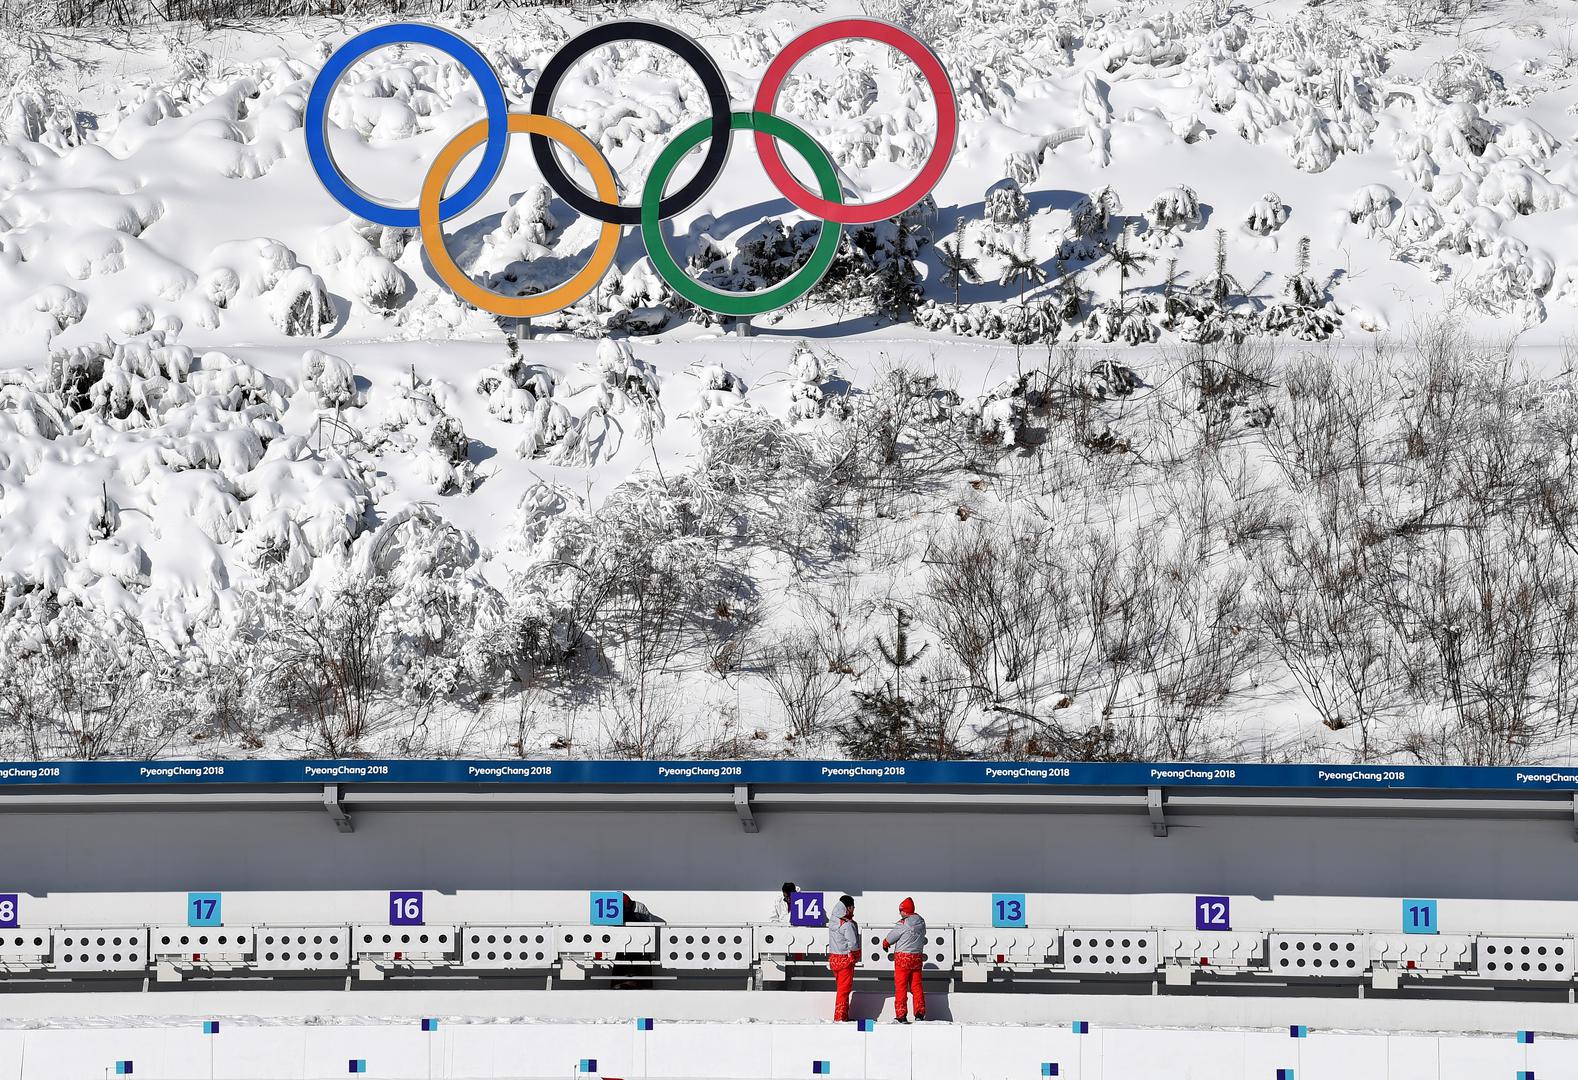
(492, 134)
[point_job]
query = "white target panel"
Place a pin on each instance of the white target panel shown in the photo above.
(1318, 954)
(302, 948)
(791, 941)
(706, 948)
(24, 950)
(1538, 959)
(404, 944)
(1433, 953)
(940, 954)
(202, 944)
(1214, 949)
(1007, 945)
(108, 949)
(1111, 952)
(586, 940)
(505, 948)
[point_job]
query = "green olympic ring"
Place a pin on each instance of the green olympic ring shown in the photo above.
(785, 292)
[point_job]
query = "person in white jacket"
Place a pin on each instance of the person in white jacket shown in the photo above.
(781, 909)
(908, 942)
(843, 951)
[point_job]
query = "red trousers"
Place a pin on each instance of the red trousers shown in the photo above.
(907, 977)
(843, 965)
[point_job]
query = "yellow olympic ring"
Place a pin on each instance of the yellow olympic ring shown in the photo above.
(519, 307)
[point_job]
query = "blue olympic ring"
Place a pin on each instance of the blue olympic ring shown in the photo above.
(406, 34)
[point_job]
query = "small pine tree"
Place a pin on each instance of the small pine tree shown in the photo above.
(1301, 287)
(1308, 312)
(1022, 266)
(1126, 260)
(884, 723)
(896, 285)
(1070, 294)
(1221, 286)
(958, 268)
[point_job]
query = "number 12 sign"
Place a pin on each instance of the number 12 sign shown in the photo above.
(805, 909)
(1212, 913)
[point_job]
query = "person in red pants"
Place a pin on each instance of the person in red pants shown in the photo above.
(908, 942)
(843, 951)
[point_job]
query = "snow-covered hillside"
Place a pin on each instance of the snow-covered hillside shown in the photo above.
(1218, 402)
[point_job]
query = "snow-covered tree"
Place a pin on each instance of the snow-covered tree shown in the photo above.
(958, 268)
(1306, 310)
(299, 304)
(1006, 204)
(1174, 210)
(1267, 215)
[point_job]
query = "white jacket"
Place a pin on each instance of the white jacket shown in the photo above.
(843, 933)
(909, 936)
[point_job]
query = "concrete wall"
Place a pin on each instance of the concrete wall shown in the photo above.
(698, 867)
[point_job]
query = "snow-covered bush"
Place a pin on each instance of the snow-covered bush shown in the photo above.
(63, 306)
(220, 286)
(299, 304)
(1373, 205)
(447, 460)
(329, 378)
(1174, 210)
(137, 319)
(1267, 215)
(378, 282)
(1006, 204)
(1092, 215)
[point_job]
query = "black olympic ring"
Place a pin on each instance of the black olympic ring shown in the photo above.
(688, 50)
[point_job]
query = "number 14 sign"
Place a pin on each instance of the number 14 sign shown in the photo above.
(805, 909)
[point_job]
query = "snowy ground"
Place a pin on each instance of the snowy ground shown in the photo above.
(266, 487)
(474, 1048)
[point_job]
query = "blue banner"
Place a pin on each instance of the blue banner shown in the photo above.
(972, 774)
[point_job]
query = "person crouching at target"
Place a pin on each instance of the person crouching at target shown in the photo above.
(843, 951)
(908, 942)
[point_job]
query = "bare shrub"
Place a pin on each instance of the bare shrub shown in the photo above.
(326, 662)
(81, 688)
(641, 719)
(807, 685)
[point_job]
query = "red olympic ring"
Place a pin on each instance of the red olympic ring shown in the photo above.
(942, 148)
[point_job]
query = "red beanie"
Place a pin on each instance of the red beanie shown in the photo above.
(906, 906)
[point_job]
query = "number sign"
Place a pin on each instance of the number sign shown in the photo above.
(202, 909)
(1008, 909)
(1419, 917)
(805, 909)
(9, 909)
(405, 909)
(608, 909)
(1212, 913)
